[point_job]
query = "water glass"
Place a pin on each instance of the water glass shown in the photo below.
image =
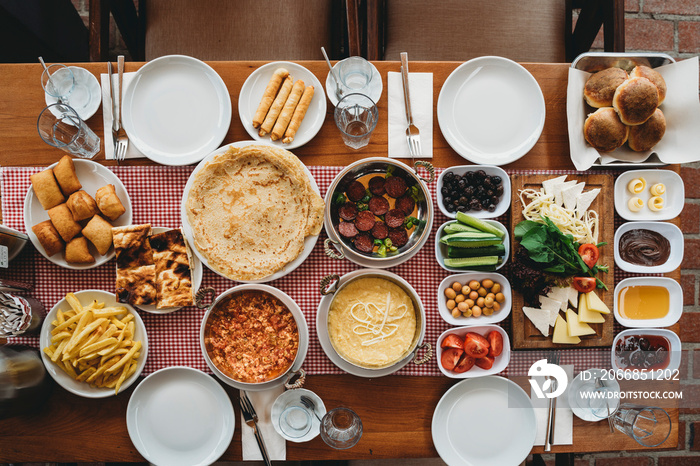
(594, 401)
(60, 126)
(60, 83)
(356, 117)
(355, 74)
(648, 425)
(341, 428)
(295, 421)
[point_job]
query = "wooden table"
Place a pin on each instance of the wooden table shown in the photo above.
(396, 410)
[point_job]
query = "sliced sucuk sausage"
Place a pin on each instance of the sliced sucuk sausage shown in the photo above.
(364, 242)
(347, 229)
(380, 230)
(398, 237)
(348, 211)
(376, 185)
(356, 191)
(365, 220)
(378, 205)
(406, 204)
(394, 218)
(395, 186)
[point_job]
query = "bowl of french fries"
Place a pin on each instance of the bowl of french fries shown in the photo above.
(92, 345)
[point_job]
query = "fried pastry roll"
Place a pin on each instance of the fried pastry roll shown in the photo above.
(81, 205)
(288, 110)
(299, 114)
(269, 96)
(77, 251)
(276, 107)
(64, 171)
(46, 189)
(109, 203)
(48, 237)
(63, 221)
(99, 232)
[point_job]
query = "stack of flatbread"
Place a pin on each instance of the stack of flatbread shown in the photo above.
(250, 210)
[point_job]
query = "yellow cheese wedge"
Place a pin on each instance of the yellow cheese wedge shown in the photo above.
(561, 335)
(576, 328)
(585, 315)
(595, 304)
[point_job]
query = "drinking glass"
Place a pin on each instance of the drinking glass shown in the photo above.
(355, 74)
(648, 425)
(592, 398)
(356, 117)
(60, 126)
(341, 428)
(60, 83)
(295, 421)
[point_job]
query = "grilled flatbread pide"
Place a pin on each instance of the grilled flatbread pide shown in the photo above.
(173, 273)
(136, 271)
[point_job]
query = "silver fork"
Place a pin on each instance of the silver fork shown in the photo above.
(412, 132)
(121, 142)
(309, 404)
(553, 358)
(251, 418)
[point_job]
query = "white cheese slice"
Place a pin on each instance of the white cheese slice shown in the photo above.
(576, 328)
(595, 304)
(570, 195)
(573, 297)
(553, 306)
(561, 334)
(548, 185)
(560, 294)
(559, 188)
(585, 315)
(539, 318)
(585, 200)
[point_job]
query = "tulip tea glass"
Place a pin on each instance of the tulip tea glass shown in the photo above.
(355, 74)
(295, 421)
(60, 126)
(60, 82)
(356, 117)
(649, 426)
(341, 428)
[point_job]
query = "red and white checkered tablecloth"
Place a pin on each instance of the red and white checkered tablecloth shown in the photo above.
(174, 338)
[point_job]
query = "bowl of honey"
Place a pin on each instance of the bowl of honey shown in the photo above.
(646, 302)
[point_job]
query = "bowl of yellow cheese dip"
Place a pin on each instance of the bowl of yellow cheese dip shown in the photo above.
(371, 322)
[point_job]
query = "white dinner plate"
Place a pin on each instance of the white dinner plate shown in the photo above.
(176, 110)
(674, 197)
(92, 176)
(504, 412)
(179, 416)
(85, 78)
(293, 397)
(375, 87)
(196, 271)
(491, 110)
(59, 375)
(253, 89)
(309, 241)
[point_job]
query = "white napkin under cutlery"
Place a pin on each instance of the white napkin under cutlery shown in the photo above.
(421, 90)
(564, 417)
(276, 446)
(132, 152)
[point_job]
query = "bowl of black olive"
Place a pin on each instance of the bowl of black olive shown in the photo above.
(479, 190)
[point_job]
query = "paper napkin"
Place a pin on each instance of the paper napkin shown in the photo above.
(132, 152)
(276, 446)
(421, 91)
(564, 417)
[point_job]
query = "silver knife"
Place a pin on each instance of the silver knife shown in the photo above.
(115, 124)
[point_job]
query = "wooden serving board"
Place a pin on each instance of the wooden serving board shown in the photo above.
(525, 335)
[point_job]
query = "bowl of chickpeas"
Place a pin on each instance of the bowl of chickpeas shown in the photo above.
(474, 298)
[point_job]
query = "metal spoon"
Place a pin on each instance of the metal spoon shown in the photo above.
(309, 404)
(338, 89)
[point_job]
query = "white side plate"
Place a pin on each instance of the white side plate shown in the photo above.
(674, 198)
(675, 305)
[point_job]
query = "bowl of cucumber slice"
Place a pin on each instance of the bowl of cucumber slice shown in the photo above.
(469, 243)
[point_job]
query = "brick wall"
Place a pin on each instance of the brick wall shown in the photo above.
(672, 27)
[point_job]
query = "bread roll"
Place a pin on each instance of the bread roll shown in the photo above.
(81, 205)
(48, 237)
(46, 189)
(77, 251)
(64, 171)
(604, 131)
(99, 232)
(653, 76)
(63, 221)
(600, 87)
(635, 100)
(109, 203)
(645, 136)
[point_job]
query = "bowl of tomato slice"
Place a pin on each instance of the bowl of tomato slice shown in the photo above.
(473, 351)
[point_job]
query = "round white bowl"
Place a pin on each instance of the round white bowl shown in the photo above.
(504, 199)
